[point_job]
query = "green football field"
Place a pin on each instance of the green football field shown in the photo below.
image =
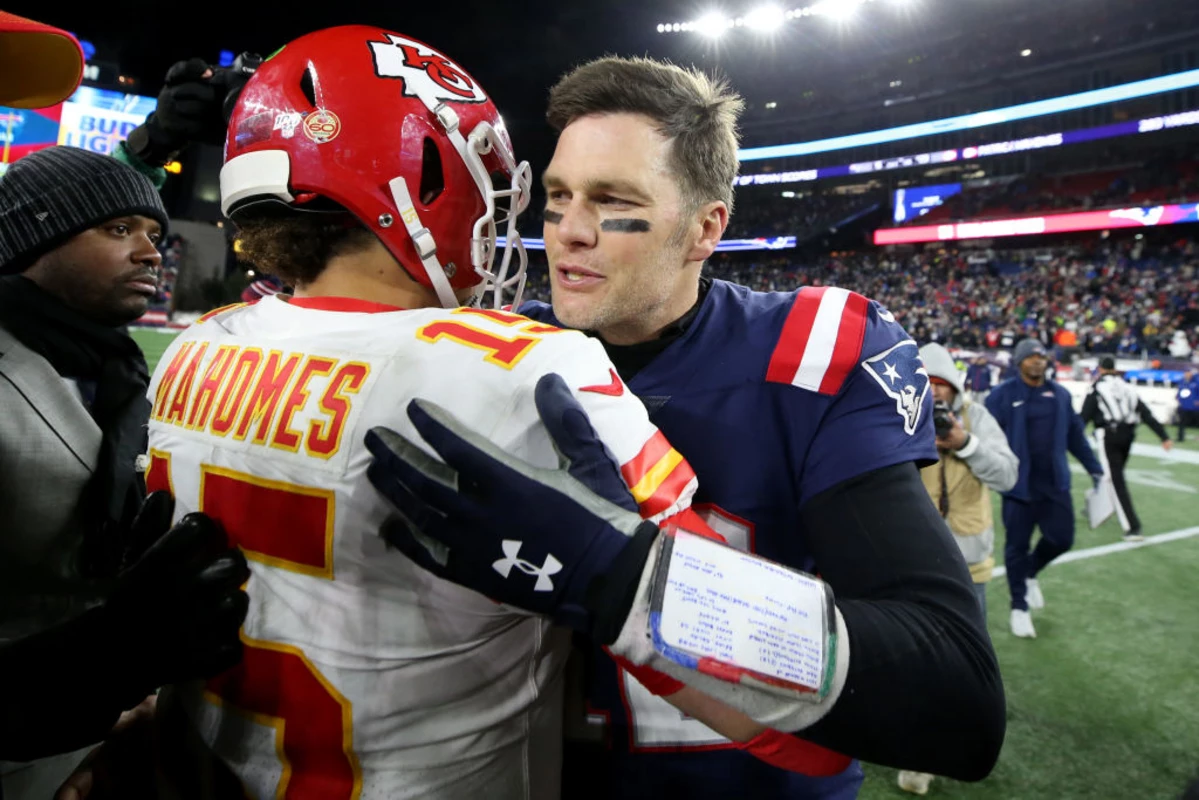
(1105, 702)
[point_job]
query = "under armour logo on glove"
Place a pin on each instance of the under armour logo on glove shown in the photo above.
(454, 516)
(511, 548)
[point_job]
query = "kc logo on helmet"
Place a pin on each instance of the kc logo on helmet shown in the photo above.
(424, 71)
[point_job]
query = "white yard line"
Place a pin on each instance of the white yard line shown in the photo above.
(1156, 478)
(1178, 455)
(1117, 547)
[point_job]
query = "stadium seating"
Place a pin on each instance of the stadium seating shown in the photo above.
(1113, 298)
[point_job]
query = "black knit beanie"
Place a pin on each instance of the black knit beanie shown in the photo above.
(51, 195)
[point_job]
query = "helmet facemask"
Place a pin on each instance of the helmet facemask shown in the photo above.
(503, 205)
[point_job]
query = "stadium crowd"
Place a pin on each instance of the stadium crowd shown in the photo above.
(1106, 299)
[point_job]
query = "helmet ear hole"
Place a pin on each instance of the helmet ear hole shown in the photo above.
(432, 173)
(308, 87)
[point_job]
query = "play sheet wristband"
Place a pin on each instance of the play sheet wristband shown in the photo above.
(737, 617)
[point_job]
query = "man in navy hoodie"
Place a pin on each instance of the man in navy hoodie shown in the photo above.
(1041, 425)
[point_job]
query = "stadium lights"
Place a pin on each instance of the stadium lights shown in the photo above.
(839, 10)
(712, 25)
(1025, 52)
(766, 18)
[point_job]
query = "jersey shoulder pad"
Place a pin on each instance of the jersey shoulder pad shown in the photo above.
(821, 339)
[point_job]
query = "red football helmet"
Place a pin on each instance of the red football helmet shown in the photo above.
(361, 119)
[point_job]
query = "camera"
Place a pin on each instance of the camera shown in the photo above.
(242, 69)
(942, 422)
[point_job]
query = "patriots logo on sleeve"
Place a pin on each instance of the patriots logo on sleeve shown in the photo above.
(901, 374)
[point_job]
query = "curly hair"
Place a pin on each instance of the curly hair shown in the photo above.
(296, 248)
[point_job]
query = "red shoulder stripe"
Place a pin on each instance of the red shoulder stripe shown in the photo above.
(784, 363)
(821, 340)
(849, 344)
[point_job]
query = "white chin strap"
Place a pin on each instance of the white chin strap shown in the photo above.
(484, 139)
(422, 239)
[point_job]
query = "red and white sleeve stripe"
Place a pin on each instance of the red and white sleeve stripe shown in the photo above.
(658, 476)
(821, 340)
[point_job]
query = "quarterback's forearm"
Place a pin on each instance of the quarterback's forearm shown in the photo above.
(772, 707)
(919, 645)
(910, 639)
(782, 750)
(724, 719)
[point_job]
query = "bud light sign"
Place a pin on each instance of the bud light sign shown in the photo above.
(97, 119)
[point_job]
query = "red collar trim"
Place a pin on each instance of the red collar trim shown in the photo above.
(350, 304)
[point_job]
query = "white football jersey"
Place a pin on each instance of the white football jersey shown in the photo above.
(365, 676)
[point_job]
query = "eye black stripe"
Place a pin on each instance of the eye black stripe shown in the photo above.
(626, 225)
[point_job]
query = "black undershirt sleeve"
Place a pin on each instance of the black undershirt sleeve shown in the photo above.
(923, 691)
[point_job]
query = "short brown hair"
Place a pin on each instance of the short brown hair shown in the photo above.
(295, 248)
(698, 114)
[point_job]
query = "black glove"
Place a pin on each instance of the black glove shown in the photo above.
(193, 106)
(565, 542)
(174, 615)
(176, 609)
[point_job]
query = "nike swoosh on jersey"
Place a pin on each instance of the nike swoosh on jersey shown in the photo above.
(1017, 404)
(613, 389)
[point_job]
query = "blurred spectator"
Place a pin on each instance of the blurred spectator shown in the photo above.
(978, 379)
(1040, 423)
(1188, 403)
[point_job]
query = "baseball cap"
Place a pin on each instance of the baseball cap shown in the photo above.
(39, 65)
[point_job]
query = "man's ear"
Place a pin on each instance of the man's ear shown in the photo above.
(707, 227)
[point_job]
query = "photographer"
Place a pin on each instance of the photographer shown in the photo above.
(192, 108)
(975, 457)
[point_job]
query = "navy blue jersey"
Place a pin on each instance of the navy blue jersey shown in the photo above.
(772, 398)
